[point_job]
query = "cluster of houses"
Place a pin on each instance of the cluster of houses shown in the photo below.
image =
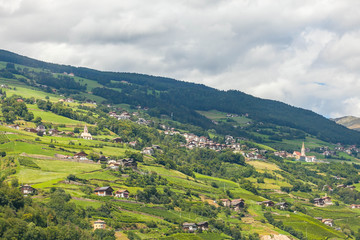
(323, 201)
(349, 150)
(143, 121)
(100, 191)
(41, 129)
(325, 151)
(109, 191)
(269, 203)
(235, 204)
(69, 74)
(255, 154)
(123, 116)
(194, 141)
(151, 150)
(127, 116)
(192, 227)
(112, 164)
(122, 163)
(67, 100)
(238, 204)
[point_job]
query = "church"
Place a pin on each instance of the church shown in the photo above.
(302, 155)
(86, 135)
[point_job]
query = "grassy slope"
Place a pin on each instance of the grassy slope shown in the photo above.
(51, 172)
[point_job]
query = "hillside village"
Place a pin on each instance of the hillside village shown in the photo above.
(126, 174)
(194, 141)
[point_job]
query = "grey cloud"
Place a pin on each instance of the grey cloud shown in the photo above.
(304, 53)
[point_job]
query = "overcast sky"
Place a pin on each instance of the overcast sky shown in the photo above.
(304, 53)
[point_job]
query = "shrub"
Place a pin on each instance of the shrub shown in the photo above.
(27, 162)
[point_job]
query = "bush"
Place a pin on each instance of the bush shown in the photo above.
(27, 162)
(151, 224)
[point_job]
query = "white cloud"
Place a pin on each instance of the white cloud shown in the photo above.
(305, 53)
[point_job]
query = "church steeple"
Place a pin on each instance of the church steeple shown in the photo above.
(303, 150)
(86, 134)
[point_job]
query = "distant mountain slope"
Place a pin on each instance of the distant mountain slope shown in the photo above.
(181, 100)
(350, 122)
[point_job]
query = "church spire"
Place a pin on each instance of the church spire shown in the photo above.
(303, 150)
(85, 129)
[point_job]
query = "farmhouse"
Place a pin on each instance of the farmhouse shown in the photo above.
(32, 130)
(81, 155)
(128, 163)
(355, 206)
(117, 140)
(103, 159)
(41, 128)
(189, 227)
(15, 126)
(27, 189)
(237, 204)
(124, 116)
(226, 202)
(99, 224)
(282, 205)
(53, 131)
(319, 201)
(327, 200)
(113, 164)
(148, 151)
(204, 226)
(122, 193)
(328, 222)
(267, 203)
(104, 191)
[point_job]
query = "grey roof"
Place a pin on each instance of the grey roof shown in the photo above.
(189, 224)
(103, 188)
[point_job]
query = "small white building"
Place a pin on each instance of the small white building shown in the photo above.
(99, 224)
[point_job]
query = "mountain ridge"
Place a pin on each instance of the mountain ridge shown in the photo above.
(350, 122)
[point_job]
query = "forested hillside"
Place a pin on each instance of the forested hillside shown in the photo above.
(181, 100)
